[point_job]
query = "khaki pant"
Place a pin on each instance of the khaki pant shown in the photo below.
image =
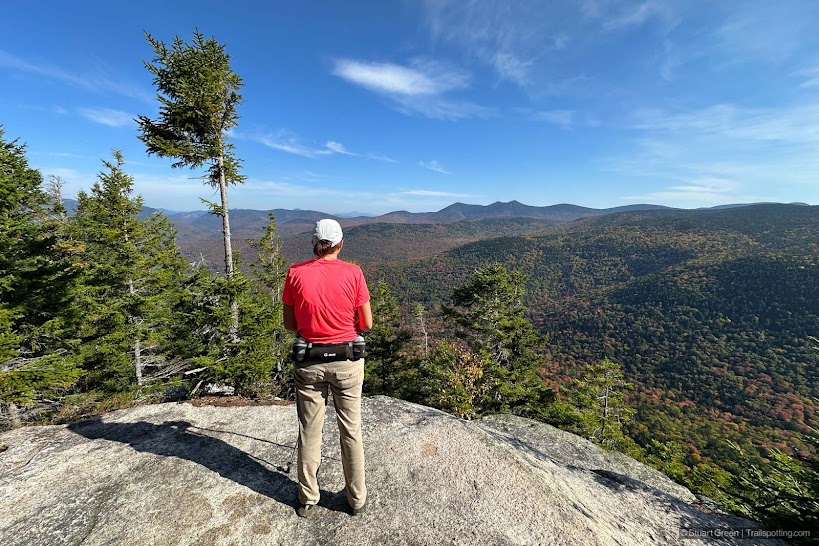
(344, 378)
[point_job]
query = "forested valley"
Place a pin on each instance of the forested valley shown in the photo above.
(686, 339)
(711, 314)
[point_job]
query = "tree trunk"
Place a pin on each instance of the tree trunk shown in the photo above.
(14, 415)
(234, 305)
(138, 360)
(135, 321)
(426, 339)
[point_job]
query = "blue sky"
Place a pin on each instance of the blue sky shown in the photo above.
(389, 105)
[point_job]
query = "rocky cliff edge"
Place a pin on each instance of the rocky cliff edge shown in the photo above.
(182, 474)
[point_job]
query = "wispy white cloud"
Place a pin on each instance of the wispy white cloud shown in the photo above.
(511, 67)
(761, 32)
(809, 77)
(158, 188)
(420, 78)
(592, 9)
(560, 41)
(379, 157)
(434, 166)
(291, 145)
(284, 141)
(337, 147)
(59, 110)
(435, 193)
(418, 88)
(280, 188)
(440, 108)
(797, 124)
(100, 80)
(563, 118)
(625, 15)
(634, 16)
(723, 153)
(509, 37)
(697, 192)
(72, 175)
(107, 116)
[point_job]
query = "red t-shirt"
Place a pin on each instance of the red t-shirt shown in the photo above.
(325, 295)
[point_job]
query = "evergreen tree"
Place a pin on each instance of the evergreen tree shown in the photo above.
(200, 335)
(599, 399)
(456, 382)
(489, 316)
(256, 362)
(782, 495)
(132, 273)
(270, 271)
(418, 313)
(37, 280)
(386, 370)
(198, 94)
(270, 268)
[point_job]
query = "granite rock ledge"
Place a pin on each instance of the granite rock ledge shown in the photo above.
(179, 474)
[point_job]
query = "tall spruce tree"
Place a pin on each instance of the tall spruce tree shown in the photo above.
(270, 270)
(489, 316)
(257, 364)
(198, 94)
(132, 272)
(387, 369)
(599, 400)
(37, 281)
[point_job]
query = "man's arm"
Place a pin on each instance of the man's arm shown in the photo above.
(289, 316)
(365, 317)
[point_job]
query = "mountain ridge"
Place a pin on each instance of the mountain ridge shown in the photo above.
(294, 221)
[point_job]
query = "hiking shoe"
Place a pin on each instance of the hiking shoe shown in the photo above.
(306, 510)
(357, 511)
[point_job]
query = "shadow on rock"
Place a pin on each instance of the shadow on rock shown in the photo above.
(180, 439)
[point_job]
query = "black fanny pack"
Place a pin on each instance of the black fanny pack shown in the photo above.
(328, 352)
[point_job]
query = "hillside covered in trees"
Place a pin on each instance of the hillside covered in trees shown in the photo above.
(709, 312)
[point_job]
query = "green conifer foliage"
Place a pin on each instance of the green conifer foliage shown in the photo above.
(599, 399)
(132, 272)
(270, 271)
(37, 279)
(198, 95)
(387, 369)
(489, 316)
(784, 494)
(457, 383)
(270, 268)
(257, 361)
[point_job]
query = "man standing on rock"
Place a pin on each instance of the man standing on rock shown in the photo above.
(327, 303)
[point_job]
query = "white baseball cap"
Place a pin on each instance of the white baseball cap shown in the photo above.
(327, 230)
